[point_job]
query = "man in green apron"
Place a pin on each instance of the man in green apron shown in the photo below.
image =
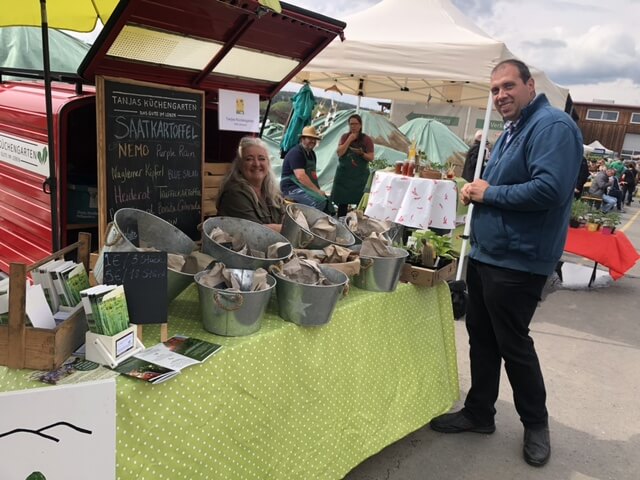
(299, 180)
(355, 151)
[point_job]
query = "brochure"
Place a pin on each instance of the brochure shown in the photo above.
(106, 309)
(165, 360)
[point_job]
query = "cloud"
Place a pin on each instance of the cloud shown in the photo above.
(546, 43)
(576, 43)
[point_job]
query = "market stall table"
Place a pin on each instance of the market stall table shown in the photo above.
(412, 201)
(613, 251)
(289, 402)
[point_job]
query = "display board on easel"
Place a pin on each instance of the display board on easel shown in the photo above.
(150, 151)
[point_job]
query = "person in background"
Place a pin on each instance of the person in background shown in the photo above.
(617, 166)
(583, 176)
(600, 186)
(628, 182)
(518, 230)
(355, 151)
(299, 179)
(471, 158)
(614, 189)
(250, 190)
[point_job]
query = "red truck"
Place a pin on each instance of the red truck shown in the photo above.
(204, 45)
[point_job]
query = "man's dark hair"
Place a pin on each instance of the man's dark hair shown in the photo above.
(523, 70)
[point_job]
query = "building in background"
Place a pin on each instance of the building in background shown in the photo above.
(617, 127)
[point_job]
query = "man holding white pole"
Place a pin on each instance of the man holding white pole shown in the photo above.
(518, 230)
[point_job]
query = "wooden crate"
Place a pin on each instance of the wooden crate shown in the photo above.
(427, 276)
(37, 348)
(213, 175)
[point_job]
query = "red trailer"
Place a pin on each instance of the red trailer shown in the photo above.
(203, 45)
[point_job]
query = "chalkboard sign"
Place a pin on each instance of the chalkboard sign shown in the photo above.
(152, 146)
(144, 276)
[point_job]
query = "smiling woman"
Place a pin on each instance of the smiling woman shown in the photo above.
(250, 190)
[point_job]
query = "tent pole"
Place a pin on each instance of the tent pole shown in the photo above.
(476, 174)
(360, 94)
(466, 124)
(52, 181)
(266, 117)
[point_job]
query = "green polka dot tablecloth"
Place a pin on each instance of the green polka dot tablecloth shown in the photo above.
(289, 402)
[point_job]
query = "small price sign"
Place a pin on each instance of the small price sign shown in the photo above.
(144, 277)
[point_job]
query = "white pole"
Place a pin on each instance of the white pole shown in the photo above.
(476, 174)
(465, 135)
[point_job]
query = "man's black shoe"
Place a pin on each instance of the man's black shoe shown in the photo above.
(537, 446)
(457, 422)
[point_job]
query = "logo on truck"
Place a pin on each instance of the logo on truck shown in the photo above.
(26, 154)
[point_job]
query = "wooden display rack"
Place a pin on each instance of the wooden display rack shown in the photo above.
(38, 348)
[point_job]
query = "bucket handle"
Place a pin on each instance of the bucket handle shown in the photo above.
(116, 239)
(366, 264)
(236, 298)
(304, 239)
(276, 269)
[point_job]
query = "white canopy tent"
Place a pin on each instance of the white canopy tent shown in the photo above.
(416, 52)
(421, 52)
(597, 147)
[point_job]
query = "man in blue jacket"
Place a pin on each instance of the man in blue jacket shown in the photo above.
(518, 230)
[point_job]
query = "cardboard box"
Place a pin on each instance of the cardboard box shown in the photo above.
(426, 276)
(82, 202)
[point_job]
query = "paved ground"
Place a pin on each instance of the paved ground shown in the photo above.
(588, 341)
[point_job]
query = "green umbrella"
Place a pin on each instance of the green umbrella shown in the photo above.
(303, 105)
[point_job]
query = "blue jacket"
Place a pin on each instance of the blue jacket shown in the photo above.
(522, 222)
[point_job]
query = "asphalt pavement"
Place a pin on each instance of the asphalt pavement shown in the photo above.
(588, 341)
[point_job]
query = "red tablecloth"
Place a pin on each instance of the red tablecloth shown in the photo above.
(613, 251)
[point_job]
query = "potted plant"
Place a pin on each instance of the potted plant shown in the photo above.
(578, 211)
(429, 168)
(594, 220)
(430, 250)
(610, 221)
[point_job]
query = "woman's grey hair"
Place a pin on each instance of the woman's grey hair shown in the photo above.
(270, 188)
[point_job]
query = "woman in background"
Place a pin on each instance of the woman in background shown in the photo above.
(250, 190)
(355, 151)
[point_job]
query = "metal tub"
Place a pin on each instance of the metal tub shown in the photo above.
(310, 305)
(132, 225)
(380, 274)
(257, 236)
(302, 238)
(232, 314)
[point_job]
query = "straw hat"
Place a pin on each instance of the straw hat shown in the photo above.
(310, 132)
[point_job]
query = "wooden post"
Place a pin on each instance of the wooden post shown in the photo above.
(17, 298)
(164, 332)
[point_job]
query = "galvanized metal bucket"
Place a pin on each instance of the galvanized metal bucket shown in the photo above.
(132, 225)
(380, 274)
(394, 233)
(301, 237)
(310, 305)
(257, 236)
(232, 314)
